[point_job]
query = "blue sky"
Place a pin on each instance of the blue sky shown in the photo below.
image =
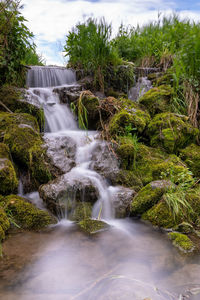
(50, 20)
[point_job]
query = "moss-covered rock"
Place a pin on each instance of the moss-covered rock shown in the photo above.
(171, 132)
(12, 98)
(184, 227)
(132, 117)
(129, 179)
(82, 210)
(160, 215)
(157, 100)
(92, 226)
(8, 120)
(4, 221)
(26, 214)
(148, 196)
(191, 156)
(8, 178)
(26, 148)
(181, 241)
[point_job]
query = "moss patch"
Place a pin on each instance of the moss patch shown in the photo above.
(82, 210)
(148, 196)
(171, 132)
(8, 178)
(160, 215)
(11, 97)
(157, 100)
(129, 179)
(181, 241)
(92, 226)
(26, 214)
(191, 156)
(129, 116)
(91, 103)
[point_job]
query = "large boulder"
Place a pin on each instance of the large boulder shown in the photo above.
(67, 189)
(61, 151)
(148, 196)
(172, 132)
(68, 94)
(104, 161)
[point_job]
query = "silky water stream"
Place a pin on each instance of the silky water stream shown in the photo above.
(129, 261)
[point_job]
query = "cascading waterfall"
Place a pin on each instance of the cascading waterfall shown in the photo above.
(60, 122)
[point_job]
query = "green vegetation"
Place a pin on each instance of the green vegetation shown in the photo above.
(88, 47)
(181, 241)
(16, 45)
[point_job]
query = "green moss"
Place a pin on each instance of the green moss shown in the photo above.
(157, 100)
(92, 226)
(126, 153)
(167, 78)
(148, 196)
(4, 221)
(8, 178)
(82, 210)
(26, 148)
(4, 151)
(8, 120)
(181, 241)
(191, 156)
(2, 234)
(193, 198)
(171, 132)
(26, 214)
(160, 215)
(129, 179)
(184, 227)
(12, 98)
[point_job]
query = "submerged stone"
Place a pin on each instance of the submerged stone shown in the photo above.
(171, 132)
(92, 226)
(182, 242)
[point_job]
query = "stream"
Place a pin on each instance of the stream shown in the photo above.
(128, 261)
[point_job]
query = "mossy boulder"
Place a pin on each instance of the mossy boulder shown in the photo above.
(171, 132)
(4, 223)
(160, 215)
(8, 178)
(193, 198)
(148, 196)
(132, 117)
(181, 241)
(184, 227)
(8, 120)
(26, 148)
(128, 178)
(12, 98)
(81, 211)
(157, 99)
(191, 156)
(92, 226)
(26, 214)
(91, 104)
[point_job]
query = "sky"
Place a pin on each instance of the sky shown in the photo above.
(51, 20)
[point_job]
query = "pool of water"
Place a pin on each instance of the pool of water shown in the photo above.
(129, 261)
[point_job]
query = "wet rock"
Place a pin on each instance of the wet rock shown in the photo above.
(81, 211)
(142, 86)
(61, 151)
(122, 201)
(92, 226)
(105, 162)
(68, 94)
(148, 196)
(128, 178)
(67, 187)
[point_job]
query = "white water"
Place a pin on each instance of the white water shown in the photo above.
(60, 122)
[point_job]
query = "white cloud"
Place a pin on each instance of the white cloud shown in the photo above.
(50, 20)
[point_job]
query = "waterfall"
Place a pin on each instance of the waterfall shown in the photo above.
(49, 76)
(61, 123)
